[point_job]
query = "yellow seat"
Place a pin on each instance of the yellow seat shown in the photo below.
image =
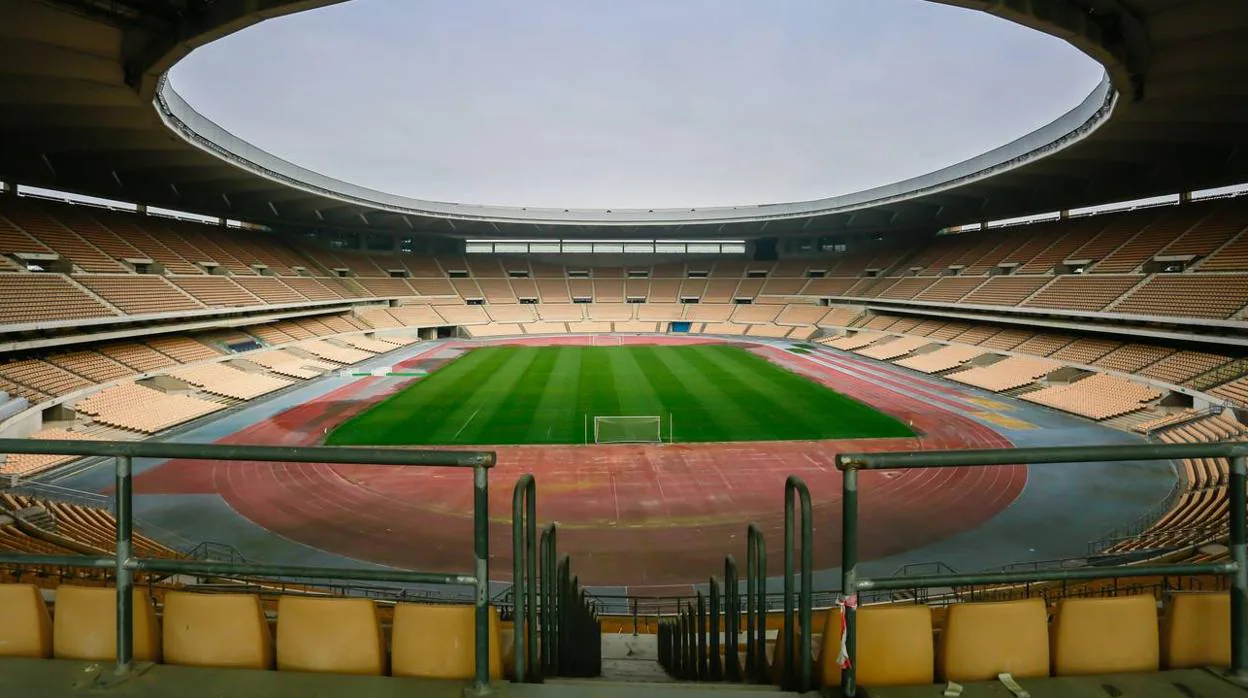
(217, 630)
(894, 647)
(341, 636)
(84, 625)
(1196, 630)
(438, 642)
(982, 640)
(1105, 636)
(25, 626)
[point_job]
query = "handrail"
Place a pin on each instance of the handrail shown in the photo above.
(756, 605)
(797, 641)
(124, 564)
(524, 575)
(1237, 569)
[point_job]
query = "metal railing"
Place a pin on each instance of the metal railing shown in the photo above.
(689, 644)
(551, 605)
(124, 565)
(1236, 569)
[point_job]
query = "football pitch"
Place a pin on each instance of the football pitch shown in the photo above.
(550, 395)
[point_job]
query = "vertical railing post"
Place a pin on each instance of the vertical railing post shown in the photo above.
(550, 603)
(124, 576)
(1239, 554)
(756, 605)
(701, 621)
(732, 620)
(481, 551)
(849, 577)
(524, 575)
(797, 640)
(716, 672)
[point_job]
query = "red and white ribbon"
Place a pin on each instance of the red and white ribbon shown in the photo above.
(848, 602)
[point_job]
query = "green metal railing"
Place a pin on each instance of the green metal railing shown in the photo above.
(690, 643)
(797, 660)
(124, 564)
(551, 605)
(756, 605)
(1236, 569)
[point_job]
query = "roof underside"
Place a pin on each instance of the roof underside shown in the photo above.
(78, 78)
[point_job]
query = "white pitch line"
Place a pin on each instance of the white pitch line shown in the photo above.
(466, 423)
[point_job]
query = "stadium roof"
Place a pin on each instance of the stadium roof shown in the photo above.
(78, 80)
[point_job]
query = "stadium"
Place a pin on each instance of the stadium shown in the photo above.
(970, 432)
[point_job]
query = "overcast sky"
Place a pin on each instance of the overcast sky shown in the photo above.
(632, 103)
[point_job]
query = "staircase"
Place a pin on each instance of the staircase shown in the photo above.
(37, 516)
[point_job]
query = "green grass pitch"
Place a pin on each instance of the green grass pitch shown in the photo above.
(541, 395)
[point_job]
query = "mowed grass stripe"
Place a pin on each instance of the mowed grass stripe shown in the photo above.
(778, 413)
(554, 415)
(405, 416)
(541, 395)
(476, 416)
(728, 415)
(843, 413)
(697, 421)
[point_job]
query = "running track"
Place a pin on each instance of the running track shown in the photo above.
(637, 516)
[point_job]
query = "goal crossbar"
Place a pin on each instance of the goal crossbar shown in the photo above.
(628, 429)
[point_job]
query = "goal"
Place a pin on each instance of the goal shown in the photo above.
(628, 430)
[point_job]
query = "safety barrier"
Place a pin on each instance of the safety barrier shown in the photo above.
(1236, 569)
(690, 644)
(552, 605)
(124, 564)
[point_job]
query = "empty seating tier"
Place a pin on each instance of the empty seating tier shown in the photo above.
(1098, 396)
(139, 294)
(220, 379)
(134, 407)
(1007, 374)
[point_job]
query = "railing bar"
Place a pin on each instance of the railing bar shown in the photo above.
(124, 575)
(942, 580)
(210, 568)
(1238, 540)
(287, 454)
(1038, 455)
(481, 573)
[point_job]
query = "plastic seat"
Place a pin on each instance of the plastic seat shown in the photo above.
(982, 640)
(217, 630)
(894, 647)
(341, 636)
(1196, 630)
(84, 625)
(25, 626)
(435, 641)
(1105, 636)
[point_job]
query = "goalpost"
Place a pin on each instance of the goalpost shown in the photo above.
(618, 429)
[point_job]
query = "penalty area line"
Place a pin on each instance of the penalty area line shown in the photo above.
(466, 423)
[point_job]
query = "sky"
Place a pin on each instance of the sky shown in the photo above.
(632, 103)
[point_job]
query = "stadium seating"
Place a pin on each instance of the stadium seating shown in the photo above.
(1098, 396)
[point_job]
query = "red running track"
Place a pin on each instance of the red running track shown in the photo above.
(637, 516)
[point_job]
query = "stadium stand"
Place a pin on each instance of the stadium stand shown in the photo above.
(1097, 397)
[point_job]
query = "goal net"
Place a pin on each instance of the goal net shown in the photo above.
(628, 430)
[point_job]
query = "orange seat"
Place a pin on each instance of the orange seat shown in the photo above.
(341, 636)
(25, 626)
(217, 630)
(982, 640)
(1105, 635)
(1196, 630)
(894, 647)
(84, 625)
(437, 641)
